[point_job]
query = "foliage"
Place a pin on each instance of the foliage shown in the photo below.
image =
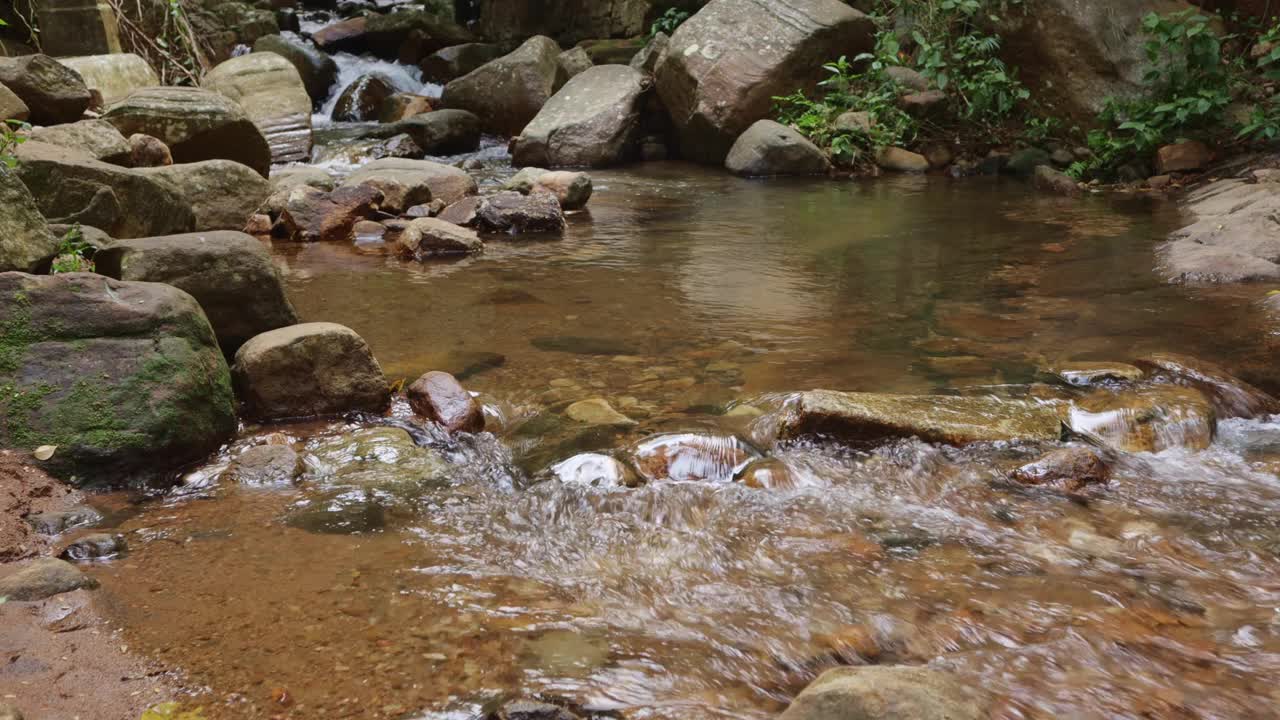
(74, 253)
(1189, 91)
(162, 33)
(12, 134)
(668, 22)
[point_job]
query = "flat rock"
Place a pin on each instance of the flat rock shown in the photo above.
(46, 577)
(96, 138)
(266, 465)
(222, 194)
(420, 179)
(431, 237)
(513, 213)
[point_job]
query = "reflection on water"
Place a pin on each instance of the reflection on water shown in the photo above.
(682, 293)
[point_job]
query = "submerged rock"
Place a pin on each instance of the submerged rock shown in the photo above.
(1070, 469)
(583, 345)
(1231, 396)
(1147, 419)
(46, 577)
(888, 693)
(422, 180)
(508, 92)
(52, 92)
(230, 274)
(56, 523)
(308, 370)
(591, 122)
(594, 470)
(767, 474)
(264, 465)
(383, 458)
(125, 378)
(770, 148)
(596, 411)
(1087, 373)
(438, 396)
(869, 418)
(196, 124)
(96, 546)
(724, 65)
(691, 457)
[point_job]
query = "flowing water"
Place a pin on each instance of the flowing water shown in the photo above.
(679, 295)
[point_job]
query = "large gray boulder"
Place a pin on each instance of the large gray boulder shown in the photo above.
(870, 418)
(457, 60)
(308, 370)
(1235, 236)
(1076, 53)
(52, 92)
(724, 66)
(318, 71)
(26, 244)
(196, 124)
(889, 693)
(270, 90)
(771, 148)
(443, 182)
(222, 194)
(229, 273)
(590, 122)
(71, 187)
(508, 92)
(125, 378)
(115, 76)
(98, 139)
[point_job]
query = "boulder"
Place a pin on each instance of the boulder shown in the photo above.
(270, 90)
(725, 64)
(98, 139)
(318, 71)
(313, 215)
(462, 212)
(1147, 419)
(43, 578)
(895, 158)
(1074, 54)
(513, 213)
(590, 122)
(1023, 163)
(411, 36)
(419, 178)
(26, 244)
(613, 51)
(247, 22)
(1052, 180)
(1183, 157)
(146, 151)
(1235, 236)
(70, 187)
(770, 148)
(566, 20)
(52, 92)
(870, 418)
(889, 693)
(222, 194)
(11, 106)
(342, 36)
(439, 397)
(196, 124)
(401, 106)
(907, 78)
(114, 76)
(572, 189)
(573, 62)
(508, 92)
(94, 546)
(443, 132)
(124, 378)
(431, 237)
(854, 122)
(362, 100)
(646, 61)
(399, 146)
(1231, 396)
(923, 105)
(457, 60)
(308, 370)
(229, 273)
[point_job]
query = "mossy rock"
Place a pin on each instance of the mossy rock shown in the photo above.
(125, 378)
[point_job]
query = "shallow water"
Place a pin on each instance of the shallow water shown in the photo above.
(680, 293)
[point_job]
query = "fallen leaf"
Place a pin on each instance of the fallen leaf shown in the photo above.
(44, 452)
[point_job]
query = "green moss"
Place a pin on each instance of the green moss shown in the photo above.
(16, 335)
(17, 406)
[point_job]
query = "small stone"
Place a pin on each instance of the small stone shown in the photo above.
(146, 151)
(1183, 157)
(1055, 181)
(98, 546)
(898, 159)
(572, 189)
(597, 411)
(1069, 468)
(438, 396)
(43, 578)
(1062, 157)
(1159, 182)
(55, 523)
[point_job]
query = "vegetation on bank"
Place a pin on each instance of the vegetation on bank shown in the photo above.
(1200, 84)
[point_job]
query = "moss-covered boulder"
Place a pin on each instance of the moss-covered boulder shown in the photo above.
(125, 378)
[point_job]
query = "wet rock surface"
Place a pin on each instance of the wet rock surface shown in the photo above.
(511, 212)
(884, 693)
(438, 396)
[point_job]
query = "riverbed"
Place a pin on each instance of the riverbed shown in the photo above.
(682, 296)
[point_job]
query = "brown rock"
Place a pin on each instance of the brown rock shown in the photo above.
(438, 396)
(690, 456)
(514, 213)
(147, 151)
(508, 92)
(893, 158)
(1069, 469)
(462, 212)
(1231, 396)
(312, 215)
(1054, 181)
(402, 106)
(344, 35)
(1182, 157)
(572, 189)
(427, 237)
(923, 104)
